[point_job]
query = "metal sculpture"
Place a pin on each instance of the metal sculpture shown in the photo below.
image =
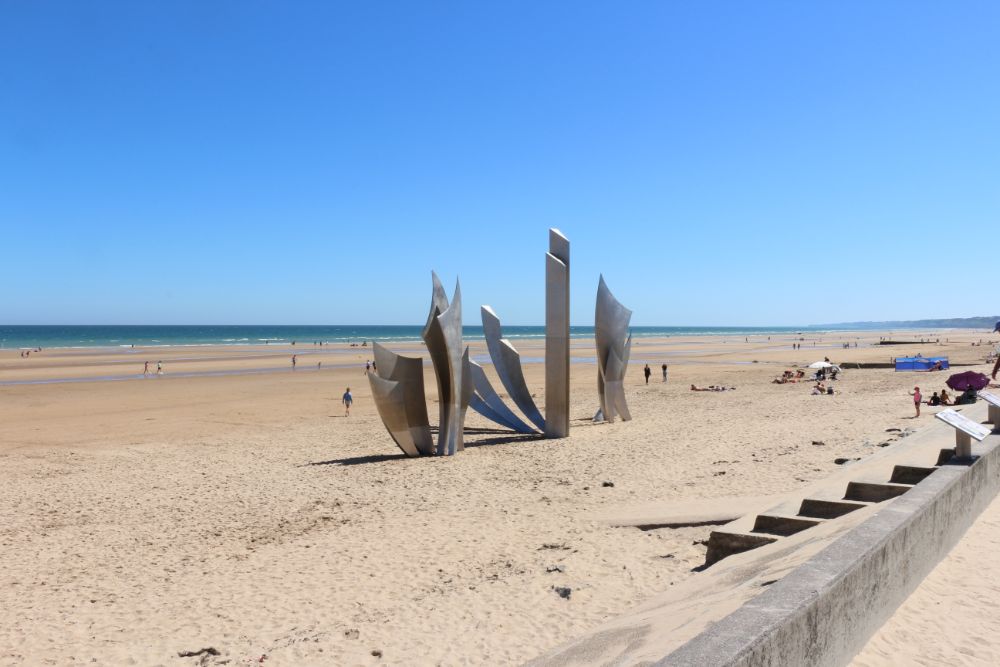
(557, 336)
(398, 392)
(507, 362)
(487, 402)
(443, 336)
(611, 320)
(398, 388)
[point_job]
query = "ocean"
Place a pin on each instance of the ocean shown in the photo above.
(100, 335)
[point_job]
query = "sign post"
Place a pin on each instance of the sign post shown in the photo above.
(994, 407)
(965, 431)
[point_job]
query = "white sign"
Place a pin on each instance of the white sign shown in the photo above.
(992, 399)
(964, 424)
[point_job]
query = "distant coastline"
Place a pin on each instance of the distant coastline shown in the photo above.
(986, 322)
(88, 336)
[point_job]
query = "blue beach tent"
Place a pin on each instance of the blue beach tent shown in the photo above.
(920, 363)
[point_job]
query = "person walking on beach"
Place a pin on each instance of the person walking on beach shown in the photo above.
(145, 370)
(347, 399)
(664, 373)
(368, 367)
(293, 362)
(916, 399)
(159, 368)
(647, 373)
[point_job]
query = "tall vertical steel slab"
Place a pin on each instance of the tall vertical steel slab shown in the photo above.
(557, 336)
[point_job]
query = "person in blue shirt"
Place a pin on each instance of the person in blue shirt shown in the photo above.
(347, 399)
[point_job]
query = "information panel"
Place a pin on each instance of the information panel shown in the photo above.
(964, 424)
(992, 399)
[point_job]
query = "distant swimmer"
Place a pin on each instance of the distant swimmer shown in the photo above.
(347, 399)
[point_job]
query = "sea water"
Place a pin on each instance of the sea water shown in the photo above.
(100, 335)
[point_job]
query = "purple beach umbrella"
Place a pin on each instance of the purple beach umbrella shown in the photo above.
(962, 381)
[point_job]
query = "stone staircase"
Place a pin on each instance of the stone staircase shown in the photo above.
(770, 527)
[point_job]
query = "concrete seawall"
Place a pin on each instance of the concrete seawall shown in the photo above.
(824, 611)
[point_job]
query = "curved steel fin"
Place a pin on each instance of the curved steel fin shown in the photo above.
(614, 346)
(409, 373)
(487, 402)
(507, 363)
(443, 337)
(390, 398)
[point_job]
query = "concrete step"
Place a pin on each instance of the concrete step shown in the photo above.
(909, 474)
(723, 543)
(874, 492)
(827, 509)
(777, 524)
(945, 456)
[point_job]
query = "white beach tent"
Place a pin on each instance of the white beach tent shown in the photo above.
(823, 364)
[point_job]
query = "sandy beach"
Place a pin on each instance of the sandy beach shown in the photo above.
(229, 504)
(951, 618)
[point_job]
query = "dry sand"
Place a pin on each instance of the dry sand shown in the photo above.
(951, 619)
(142, 518)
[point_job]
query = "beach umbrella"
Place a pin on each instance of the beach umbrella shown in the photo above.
(821, 364)
(962, 381)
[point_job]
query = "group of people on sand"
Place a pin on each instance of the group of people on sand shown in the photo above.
(789, 376)
(792, 377)
(967, 397)
(27, 353)
(647, 372)
(712, 387)
(159, 368)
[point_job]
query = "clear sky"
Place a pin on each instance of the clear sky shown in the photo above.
(744, 163)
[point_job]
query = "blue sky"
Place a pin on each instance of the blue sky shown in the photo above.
(737, 163)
